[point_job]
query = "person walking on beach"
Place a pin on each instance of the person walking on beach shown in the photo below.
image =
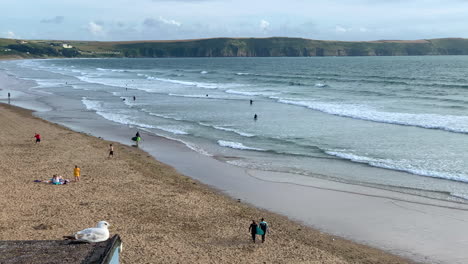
(264, 227)
(76, 173)
(134, 98)
(253, 230)
(111, 151)
(9, 98)
(251, 101)
(38, 138)
(137, 138)
(255, 117)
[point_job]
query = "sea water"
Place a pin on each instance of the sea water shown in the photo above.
(316, 117)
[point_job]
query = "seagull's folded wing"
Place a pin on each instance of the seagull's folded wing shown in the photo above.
(92, 235)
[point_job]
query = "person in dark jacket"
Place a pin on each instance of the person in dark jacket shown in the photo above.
(253, 230)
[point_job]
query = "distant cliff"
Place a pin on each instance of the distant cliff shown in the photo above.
(232, 47)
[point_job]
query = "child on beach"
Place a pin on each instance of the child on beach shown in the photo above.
(38, 137)
(111, 151)
(76, 173)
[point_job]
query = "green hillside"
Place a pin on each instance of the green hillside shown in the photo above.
(229, 47)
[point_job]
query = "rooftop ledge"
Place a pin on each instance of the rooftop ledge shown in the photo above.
(60, 251)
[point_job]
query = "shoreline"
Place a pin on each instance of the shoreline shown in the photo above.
(288, 242)
(345, 212)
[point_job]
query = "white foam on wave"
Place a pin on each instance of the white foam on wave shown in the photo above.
(97, 106)
(188, 95)
(234, 130)
(190, 146)
(320, 85)
(451, 123)
(78, 71)
(402, 165)
(92, 105)
(172, 130)
(251, 93)
(162, 116)
(227, 129)
(242, 73)
(203, 72)
(110, 70)
(236, 145)
(204, 85)
(463, 196)
(107, 82)
(48, 83)
(39, 65)
(188, 83)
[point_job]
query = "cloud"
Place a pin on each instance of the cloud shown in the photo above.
(151, 22)
(363, 29)
(11, 35)
(169, 22)
(95, 28)
(54, 20)
(264, 25)
(341, 29)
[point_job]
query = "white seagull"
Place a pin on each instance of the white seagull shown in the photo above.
(93, 234)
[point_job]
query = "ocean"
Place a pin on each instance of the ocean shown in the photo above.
(395, 123)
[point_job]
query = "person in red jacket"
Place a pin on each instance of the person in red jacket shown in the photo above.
(38, 138)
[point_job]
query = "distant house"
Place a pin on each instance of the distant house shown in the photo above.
(67, 46)
(60, 252)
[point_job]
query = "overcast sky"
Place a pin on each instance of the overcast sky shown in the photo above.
(188, 19)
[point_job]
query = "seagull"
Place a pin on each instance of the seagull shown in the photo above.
(93, 234)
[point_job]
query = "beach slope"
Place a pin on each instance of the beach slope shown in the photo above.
(161, 215)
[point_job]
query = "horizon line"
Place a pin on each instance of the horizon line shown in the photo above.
(199, 39)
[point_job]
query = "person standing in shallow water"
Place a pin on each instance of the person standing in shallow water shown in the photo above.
(264, 227)
(253, 230)
(255, 117)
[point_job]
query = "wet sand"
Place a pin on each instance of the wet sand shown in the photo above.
(162, 216)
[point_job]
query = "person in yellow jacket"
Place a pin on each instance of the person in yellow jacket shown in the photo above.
(76, 172)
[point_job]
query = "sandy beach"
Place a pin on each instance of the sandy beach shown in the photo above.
(162, 216)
